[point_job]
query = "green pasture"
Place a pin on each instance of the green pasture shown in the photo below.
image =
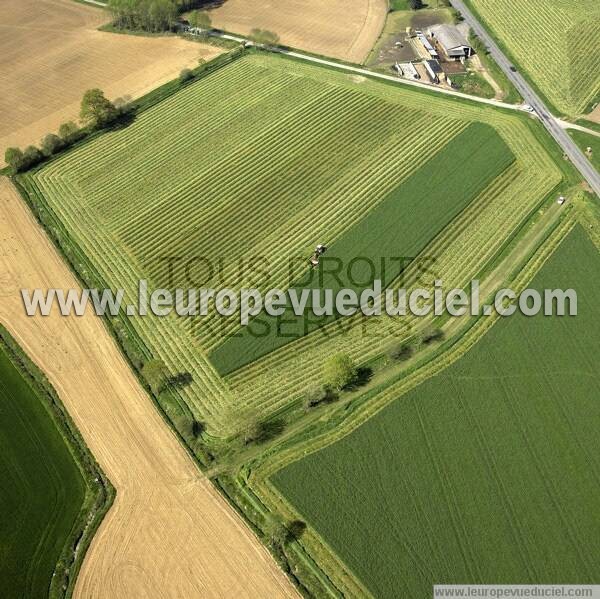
(42, 488)
(489, 472)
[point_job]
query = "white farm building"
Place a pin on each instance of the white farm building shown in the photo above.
(451, 41)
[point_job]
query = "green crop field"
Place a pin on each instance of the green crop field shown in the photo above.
(488, 472)
(556, 42)
(42, 488)
(401, 225)
(255, 164)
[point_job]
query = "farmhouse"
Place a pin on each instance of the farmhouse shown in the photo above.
(450, 41)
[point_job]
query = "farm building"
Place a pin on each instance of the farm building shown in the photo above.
(434, 70)
(409, 71)
(427, 45)
(451, 41)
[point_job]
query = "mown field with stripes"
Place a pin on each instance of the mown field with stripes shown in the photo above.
(557, 42)
(229, 180)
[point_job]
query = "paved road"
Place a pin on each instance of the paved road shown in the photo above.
(575, 155)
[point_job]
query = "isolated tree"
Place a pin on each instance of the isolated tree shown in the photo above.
(264, 37)
(200, 19)
(51, 144)
(96, 110)
(415, 4)
(185, 75)
(180, 380)
(277, 532)
(339, 371)
(32, 156)
(155, 374)
(15, 159)
(197, 428)
(68, 132)
(401, 352)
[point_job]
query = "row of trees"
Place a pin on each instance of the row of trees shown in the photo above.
(96, 112)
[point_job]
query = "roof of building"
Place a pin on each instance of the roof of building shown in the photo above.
(449, 36)
(435, 66)
(427, 45)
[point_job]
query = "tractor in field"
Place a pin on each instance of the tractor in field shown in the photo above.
(319, 251)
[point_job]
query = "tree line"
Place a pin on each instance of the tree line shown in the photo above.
(96, 112)
(149, 15)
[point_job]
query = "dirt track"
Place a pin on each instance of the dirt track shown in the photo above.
(169, 533)
(51, 52)
(341, 29)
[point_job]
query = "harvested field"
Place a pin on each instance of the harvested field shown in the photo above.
(336, 28)
(555, 41)
(594, 116)
(305, 149)
(486, 472)
(51, 53)
(169, 533)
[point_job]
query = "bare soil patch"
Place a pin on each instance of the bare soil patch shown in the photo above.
(594, 116)
(338, 28)
(169, 532)
(51, 52)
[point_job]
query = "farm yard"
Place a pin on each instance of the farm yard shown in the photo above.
(344, 30)
(43, 490)
(487, 471)
(290, 169)
(556, 42)
(55, 53)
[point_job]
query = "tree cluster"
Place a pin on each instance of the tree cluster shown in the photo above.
(145, 15)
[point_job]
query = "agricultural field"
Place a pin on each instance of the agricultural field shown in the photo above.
(556, 42)
(168, 528)
(489, 471)
(196, 197)
(55, 53)
(43, 490)
(433, 195)
(339, 29)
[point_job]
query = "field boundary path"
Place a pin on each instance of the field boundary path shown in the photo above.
(575, 155)
(169, 532)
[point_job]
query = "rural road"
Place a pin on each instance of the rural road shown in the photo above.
(169, 533)
(575, 155)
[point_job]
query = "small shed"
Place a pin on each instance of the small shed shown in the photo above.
(427, 45)
(434, 70)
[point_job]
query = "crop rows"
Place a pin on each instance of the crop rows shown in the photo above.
(556, 41)
(210, 171)
(461, 252)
